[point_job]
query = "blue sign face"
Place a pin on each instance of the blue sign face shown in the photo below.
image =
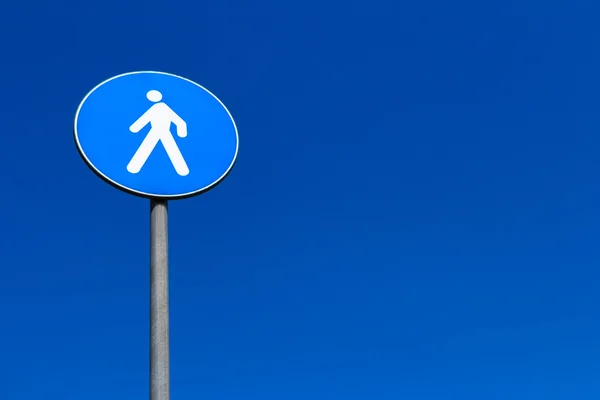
(156, 135)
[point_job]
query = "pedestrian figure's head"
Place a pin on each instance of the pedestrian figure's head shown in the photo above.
(154, 96)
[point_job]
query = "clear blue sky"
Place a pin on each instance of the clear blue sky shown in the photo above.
(414, 213)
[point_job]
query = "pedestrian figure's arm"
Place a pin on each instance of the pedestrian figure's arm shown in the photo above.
(181, 126)
(141, 122)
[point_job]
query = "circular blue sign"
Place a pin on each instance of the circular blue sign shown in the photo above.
(156, 135)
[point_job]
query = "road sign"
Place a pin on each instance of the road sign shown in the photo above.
(156, 135)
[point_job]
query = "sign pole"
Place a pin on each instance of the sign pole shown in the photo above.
(159, 301)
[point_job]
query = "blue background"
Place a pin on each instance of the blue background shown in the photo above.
(413, 213)
(103, 132)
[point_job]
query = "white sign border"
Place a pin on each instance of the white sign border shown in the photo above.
(137, 192)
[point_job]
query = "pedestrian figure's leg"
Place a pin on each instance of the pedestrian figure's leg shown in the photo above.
(174, 154)
(141, 155)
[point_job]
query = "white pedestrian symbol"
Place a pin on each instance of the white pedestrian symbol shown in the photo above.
(159, 116)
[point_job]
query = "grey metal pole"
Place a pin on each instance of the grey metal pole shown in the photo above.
(159, 301)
